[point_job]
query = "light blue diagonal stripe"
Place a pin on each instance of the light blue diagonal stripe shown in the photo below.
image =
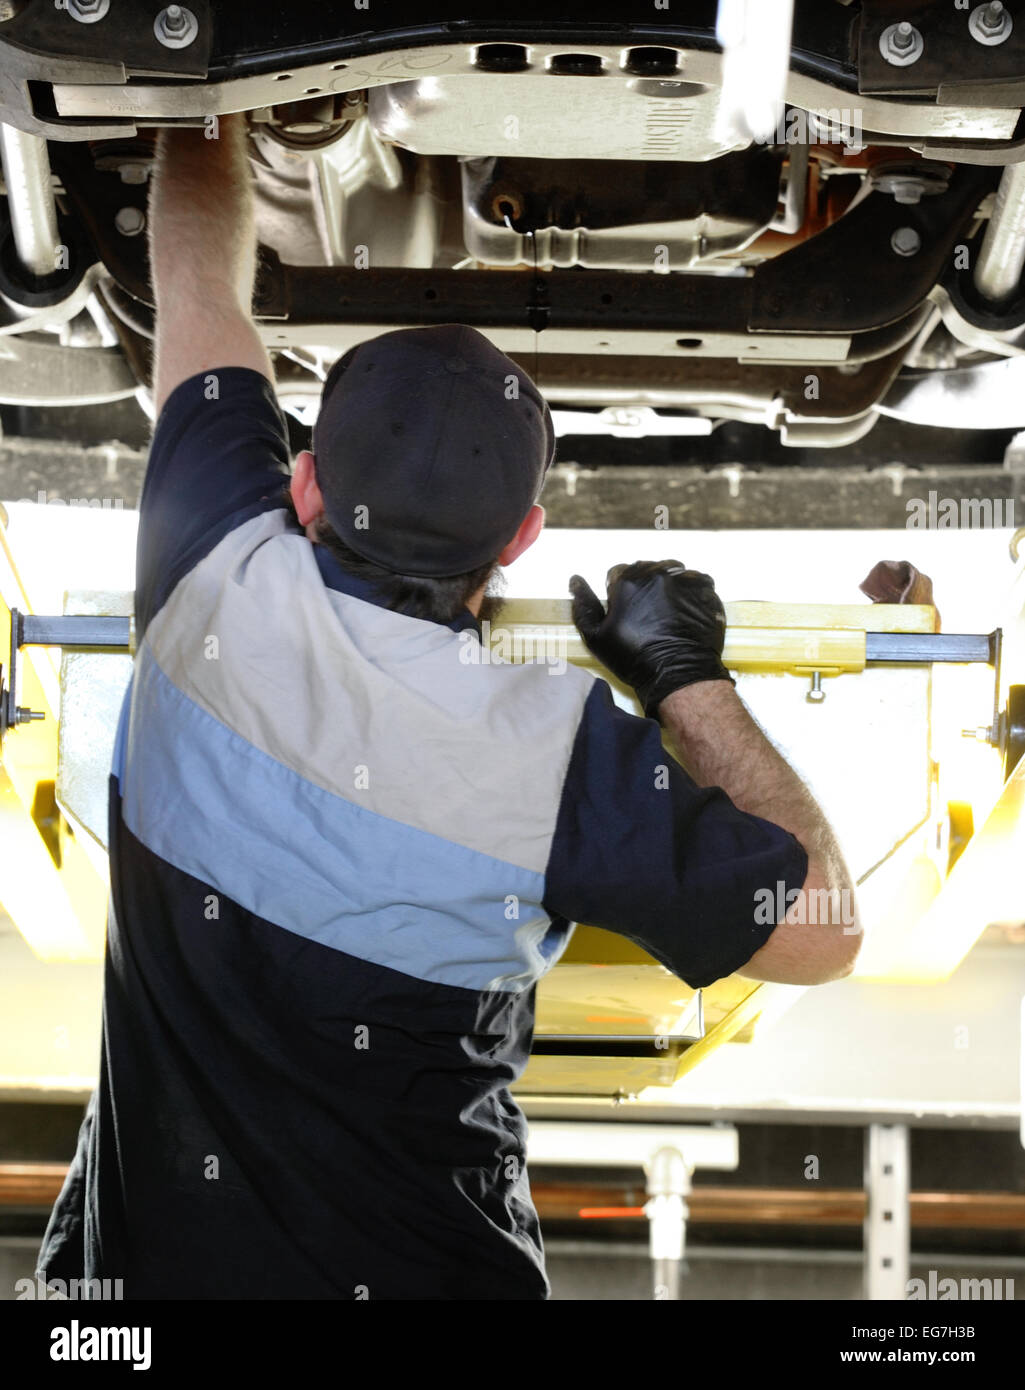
(206, 801)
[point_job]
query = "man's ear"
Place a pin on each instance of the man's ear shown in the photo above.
(306, 495)
(530, 529)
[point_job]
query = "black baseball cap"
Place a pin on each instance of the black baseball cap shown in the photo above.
(431, 446)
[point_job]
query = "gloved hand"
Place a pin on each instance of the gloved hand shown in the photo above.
(664, 629)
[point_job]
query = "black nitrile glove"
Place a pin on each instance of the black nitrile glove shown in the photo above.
(664, 629)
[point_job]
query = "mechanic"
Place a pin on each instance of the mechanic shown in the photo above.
(341, 857)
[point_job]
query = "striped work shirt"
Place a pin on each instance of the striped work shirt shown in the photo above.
(342, 855)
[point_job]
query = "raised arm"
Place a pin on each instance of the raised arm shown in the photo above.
(202, 250)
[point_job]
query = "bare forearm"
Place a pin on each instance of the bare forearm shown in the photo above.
(663, 634)
(201, 236)
(721, 745)
(203, 257)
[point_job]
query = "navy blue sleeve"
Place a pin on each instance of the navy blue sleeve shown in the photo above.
(219, 456)
(640, 849)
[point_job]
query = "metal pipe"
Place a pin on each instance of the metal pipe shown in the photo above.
(785, 1206)
(666, 1209)
(30, 199)
(38, 1184)
(795, 198)
(1002, 258)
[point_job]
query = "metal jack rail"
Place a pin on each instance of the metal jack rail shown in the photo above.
(117, 634)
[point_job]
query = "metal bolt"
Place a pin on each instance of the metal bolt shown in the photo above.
(909, 184)
(901, 44)
(176, 26)
(990, 24)
(130, 221)
(982, 734)
(87, 11)
(906, 241)
(907, 192)
(816, 694)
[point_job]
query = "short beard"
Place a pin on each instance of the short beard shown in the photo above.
(494, 600)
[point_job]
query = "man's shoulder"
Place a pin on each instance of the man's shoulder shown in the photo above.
(219, 455)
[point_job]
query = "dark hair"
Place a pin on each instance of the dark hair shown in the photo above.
(418, 596)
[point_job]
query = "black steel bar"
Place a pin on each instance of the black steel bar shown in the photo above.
(84, 632)
(495, 298)
(881, 647)
(76, 630)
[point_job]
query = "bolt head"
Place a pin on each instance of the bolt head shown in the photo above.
(901, 44)
(175, 26)
(87, 11)
(907, 191)
(906, 241)
(130, 221)
(990, 24)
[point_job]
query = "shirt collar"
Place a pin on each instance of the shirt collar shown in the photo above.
(335, 577)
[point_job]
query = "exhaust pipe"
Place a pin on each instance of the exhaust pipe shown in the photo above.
(30, 201)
